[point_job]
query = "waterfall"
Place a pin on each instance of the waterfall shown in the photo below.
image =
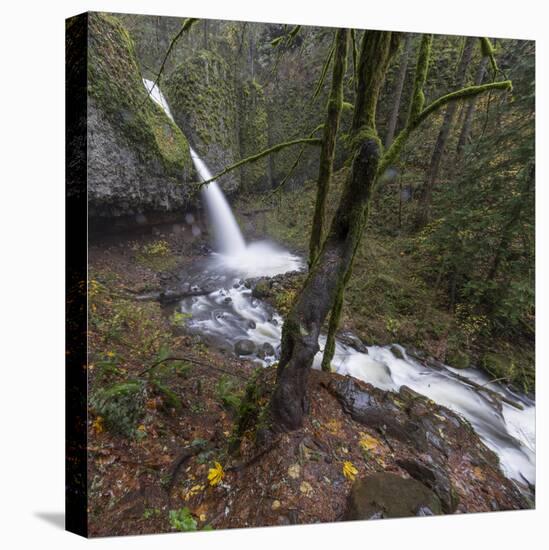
(227, 234)
(228, 238)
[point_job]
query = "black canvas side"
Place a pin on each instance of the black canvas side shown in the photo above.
(76, 487)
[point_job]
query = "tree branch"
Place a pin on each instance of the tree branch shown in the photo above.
(412, 124)
(193, 361)
(187, 24)
(295, 164)
(464, 93)
(324, 70)
(264, 153)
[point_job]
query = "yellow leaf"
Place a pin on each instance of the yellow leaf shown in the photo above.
(478, 473)
(367, 442)
(349, 470)
(333, 426)
(216, 474)
(97, 425)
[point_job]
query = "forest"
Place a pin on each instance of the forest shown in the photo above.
(311, 273)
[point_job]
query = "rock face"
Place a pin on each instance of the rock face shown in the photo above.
(386, 495)
(203, 100)
(253, 134)
(138, 159)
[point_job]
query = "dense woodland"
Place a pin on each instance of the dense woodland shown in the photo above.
(400, 166)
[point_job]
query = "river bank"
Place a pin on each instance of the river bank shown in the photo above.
(189, 406)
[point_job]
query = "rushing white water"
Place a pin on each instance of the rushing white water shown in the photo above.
(228, 237)
(158, 97)
(230, 315)
(256, 259)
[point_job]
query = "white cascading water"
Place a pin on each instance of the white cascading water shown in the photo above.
(228, 237)
(230, 314)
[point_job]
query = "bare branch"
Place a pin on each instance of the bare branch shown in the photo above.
(187, 24)
(261, 154)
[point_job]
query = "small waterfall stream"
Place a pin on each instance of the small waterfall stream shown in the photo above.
(231, 315)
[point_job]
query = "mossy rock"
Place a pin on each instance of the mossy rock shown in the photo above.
(115, 83)
(121, 406)
(458, 359)
(138, 157)
(262, 289)
(385, 495)
(496, 364)
(253, 134)
(203, 100)
(396, 351)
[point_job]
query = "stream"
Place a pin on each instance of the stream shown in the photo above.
(232, 319)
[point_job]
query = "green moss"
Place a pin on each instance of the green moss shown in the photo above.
(121, 406)
(169, 397)
(458, 359)
(116, 87)
(514, 368)
(156, 256)
(203, 100)
(253, 133)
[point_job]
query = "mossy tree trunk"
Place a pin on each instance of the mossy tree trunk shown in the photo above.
(393, 118)
(331, 125)
(325, 284)
(329, 273)
(424, 209)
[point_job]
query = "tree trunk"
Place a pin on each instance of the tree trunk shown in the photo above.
(393, 118)
(424, 211)
(470, 111)
(329, 273)
(327, 150)
(302, 326)
(205, 27)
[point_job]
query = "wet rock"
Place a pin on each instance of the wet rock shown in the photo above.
(458, 359)
(397, 352)
(268, 349)
(360, 402)
(244, 347)
(410, 394)
(353, 341)
(386, 495)
(436, 479)
(251, 324)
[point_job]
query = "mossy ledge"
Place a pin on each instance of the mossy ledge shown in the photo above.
(203, 100)
(139, 159)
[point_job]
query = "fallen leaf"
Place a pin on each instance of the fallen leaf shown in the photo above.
(349, 470)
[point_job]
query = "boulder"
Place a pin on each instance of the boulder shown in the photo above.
(458, 359)
(386, 495)
(436, 479)
(396, 351)
(244, 347)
